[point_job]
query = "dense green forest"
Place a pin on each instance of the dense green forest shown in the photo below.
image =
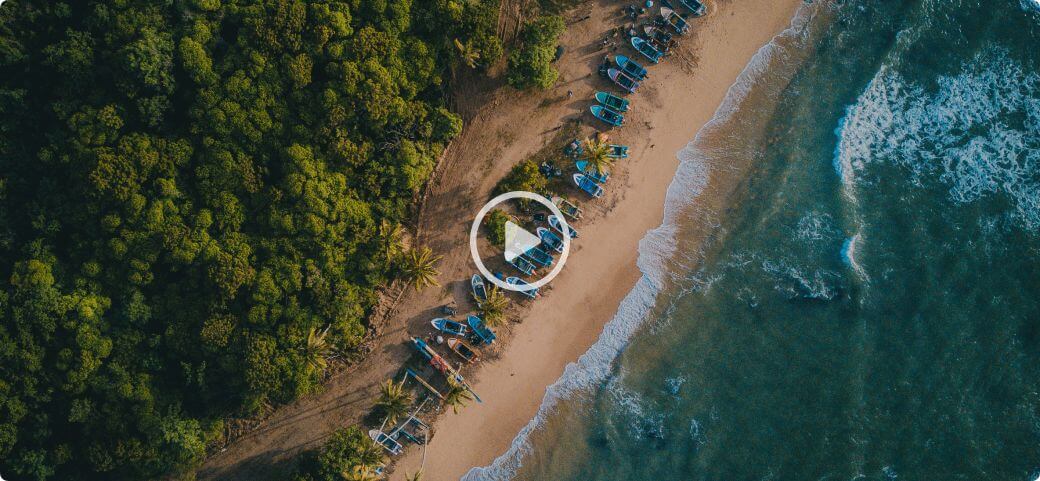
(199, 199)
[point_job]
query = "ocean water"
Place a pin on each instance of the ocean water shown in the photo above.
(846, 285)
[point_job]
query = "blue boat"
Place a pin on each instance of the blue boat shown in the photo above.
(516, 281)
(648, 51)
(480, 330)
(449, 326)
(622, 80)
(609, 116)
(552, 240)
(523, 265)
(588, 185)
(696, 7)
(617, 151)
(539, 256)
(555, 223)
(630, 67)
(612, 101)
(678, 23)
(476, 284)
(597, 177)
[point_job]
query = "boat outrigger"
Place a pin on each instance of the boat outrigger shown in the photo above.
(539, 256)
(630, 67)
(588, 185)
(611, 117)
(591, 173)
(523, 265)
(549, 239)
(487, 336)
(555, 223)
(648, 51)
(449, 326)
(388, 443)
(568, 208)
(516, 281)
(612, 101)
(465, 351)
(476, 284)
(442, 365)
(623, 80)
(679, 24)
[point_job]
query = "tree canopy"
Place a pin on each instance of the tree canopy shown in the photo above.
(191, 191)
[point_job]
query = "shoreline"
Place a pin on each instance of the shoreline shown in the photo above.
(681, 96)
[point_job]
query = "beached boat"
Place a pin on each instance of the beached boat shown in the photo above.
(672, 18)
(442, 366)
(695, 6)
(612, 101)
(476, 284)
(465, 351)
(630, 67)
(659, 38)
(588, 185)
(609, 116)
(539, 256)
(617, 151)
(622, 80)
(568, 208)
(480, 330)
(516, 281)
(548, 238)
(555, 223)
(597, 177)
(648, 51)
(523, 265)
(388, 443)
(449, 326)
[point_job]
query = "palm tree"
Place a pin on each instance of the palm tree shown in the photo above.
(457, 396)
(360, 472)
(390, 234)
(597, 152)
(393, 400)
(316, 350)
(493, 309)
(419, 269)
(368, 452)
(467, 53)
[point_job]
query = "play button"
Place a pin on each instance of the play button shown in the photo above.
(518, 241)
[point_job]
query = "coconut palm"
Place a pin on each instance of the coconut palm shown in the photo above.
(316, 350)
(467, 53)
(368, 452)
(390, 234)
(493, 309)
(419, 268)
(360, 472)
(598, 155)
(393, 400)
(457, 396)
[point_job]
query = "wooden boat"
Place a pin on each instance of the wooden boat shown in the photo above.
(523, 265)
(617, 151)
(555, 223)
(516, 281)
(612, 102)
(672, 18)
(630, 67)
(449, 326)
(568, 209)
(659, 38)
(609, 116)
(539, 256)
(476, 284)
(388, 443)
(591, 173)
(622, 80)
(695, 6)
(588, 185)
(480, 330)
(548, 238)
(442, 365)
(465, 351)
(648, 51)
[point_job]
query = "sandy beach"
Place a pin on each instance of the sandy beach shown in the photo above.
(504, 127)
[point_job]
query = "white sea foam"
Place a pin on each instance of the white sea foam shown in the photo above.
(978, 133)
(655, 250)
(848, 255)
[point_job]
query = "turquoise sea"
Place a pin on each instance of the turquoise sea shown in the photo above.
(866, 304)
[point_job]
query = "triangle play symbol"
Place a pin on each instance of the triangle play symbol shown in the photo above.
(518, 241)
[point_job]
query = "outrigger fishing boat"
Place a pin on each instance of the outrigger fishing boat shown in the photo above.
(449, 326)
(568, 209)
(648, 51)
(658, 38)
(516, 281)
(622, 80)
(696, 7)
(442, 365)
(465, 351)
(548, 238)
(617, 151)
(588, 185)
(388, 443)
(591, 173)
(539, 256)
(630, 67)
(476, 284)
(555, 223)
(609, 116)
(487, 336)
(523, 265)
(679, 24)
(612, 102)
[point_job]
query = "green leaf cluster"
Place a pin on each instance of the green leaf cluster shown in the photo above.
(531, 64)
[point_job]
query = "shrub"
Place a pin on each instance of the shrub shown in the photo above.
(531, 64)
(496, 223)
(523, 176)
